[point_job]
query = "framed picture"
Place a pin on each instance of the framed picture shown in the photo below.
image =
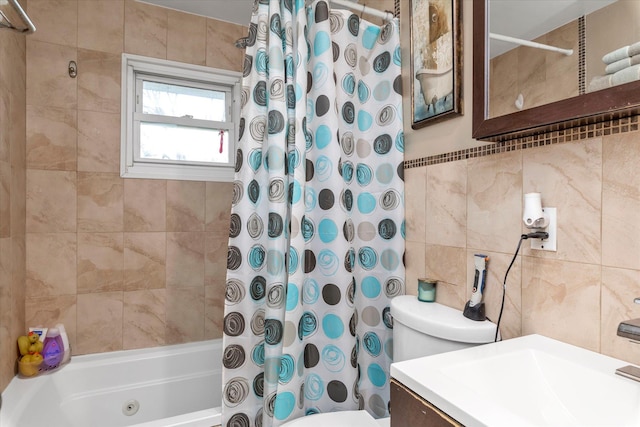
(436, 61)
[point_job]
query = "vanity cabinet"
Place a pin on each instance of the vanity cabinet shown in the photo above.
(410, 410)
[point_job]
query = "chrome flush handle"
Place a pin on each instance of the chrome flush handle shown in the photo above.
(636, 300)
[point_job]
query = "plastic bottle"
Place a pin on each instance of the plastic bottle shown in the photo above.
(53, 350)
(65, 342)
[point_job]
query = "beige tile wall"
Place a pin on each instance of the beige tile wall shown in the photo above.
(578, 294)
(12, 197)
(122, 263)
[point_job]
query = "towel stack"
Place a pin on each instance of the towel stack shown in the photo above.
(622, 66)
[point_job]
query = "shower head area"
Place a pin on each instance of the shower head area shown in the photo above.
(242, 42)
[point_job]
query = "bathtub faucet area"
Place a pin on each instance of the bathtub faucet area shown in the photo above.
(630, 329)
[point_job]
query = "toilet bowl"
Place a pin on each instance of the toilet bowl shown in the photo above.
(419, 329)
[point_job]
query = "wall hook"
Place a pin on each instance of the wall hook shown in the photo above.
(73, 69)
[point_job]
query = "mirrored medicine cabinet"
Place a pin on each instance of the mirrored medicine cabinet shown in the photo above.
(521, 90)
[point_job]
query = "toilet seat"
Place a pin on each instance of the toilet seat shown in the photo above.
(338, 419)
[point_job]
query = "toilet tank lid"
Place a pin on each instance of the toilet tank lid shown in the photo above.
(440, 321)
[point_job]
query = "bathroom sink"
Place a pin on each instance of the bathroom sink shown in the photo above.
(526, 381)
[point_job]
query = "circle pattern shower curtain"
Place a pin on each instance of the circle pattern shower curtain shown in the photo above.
(317, 227)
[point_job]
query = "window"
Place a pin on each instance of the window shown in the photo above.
(179, 121)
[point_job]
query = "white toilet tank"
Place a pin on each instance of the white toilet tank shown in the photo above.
(426, 328)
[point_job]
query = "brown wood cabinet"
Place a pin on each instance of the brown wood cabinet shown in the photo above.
(410, 410)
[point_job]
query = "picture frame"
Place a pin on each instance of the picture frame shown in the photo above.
(436, 61)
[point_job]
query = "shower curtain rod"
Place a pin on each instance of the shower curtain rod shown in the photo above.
(241, 43)
(6, 23)
(528, 43)
(365, 9)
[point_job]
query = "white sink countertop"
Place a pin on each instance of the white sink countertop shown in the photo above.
(527, 381)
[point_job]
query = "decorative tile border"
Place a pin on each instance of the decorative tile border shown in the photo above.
(582, 57)
(593, 130)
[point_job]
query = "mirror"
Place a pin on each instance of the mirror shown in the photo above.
(572, 99)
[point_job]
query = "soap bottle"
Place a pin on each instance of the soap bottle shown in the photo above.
(53, 350)
(65, 343)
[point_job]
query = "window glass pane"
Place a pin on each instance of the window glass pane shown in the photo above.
(182, 101)
(161, 141)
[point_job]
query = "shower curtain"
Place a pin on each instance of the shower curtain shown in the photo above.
(317, 226)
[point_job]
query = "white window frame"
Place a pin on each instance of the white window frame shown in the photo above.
(131, 166)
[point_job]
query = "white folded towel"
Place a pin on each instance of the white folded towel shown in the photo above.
(622, 64)
(629, 74)
(634, 49)
(600, 82)
(616, 55)
(618, 65)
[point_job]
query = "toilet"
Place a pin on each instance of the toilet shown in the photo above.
(419, 329)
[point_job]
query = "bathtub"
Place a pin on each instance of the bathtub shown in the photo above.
(178, 385)
(435, 84)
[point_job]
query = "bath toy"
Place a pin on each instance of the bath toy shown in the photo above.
(29, 364)
(23, 345)
(29, 344)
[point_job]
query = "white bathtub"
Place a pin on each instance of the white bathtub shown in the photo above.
(177, 385)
